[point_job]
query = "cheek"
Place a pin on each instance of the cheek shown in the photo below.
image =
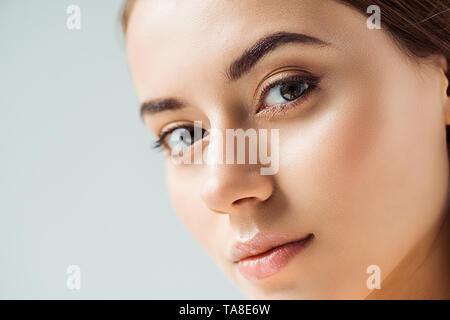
(368, 175)
(206, 227)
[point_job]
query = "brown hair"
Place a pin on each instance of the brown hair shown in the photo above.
(420, 27)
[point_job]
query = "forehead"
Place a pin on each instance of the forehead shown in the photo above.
(168, 40)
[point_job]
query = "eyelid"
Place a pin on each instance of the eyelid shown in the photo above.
(161, 140)
(301, 76)
(168, 129)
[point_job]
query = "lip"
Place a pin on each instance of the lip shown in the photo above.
(266, 254)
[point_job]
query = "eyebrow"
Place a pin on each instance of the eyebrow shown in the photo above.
(160, 105)
(251, 56)
(240, 66)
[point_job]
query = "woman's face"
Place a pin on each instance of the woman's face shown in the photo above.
(362, 168)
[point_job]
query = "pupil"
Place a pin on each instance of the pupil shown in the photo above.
(183, 137)
(189, 136)
(291, 90)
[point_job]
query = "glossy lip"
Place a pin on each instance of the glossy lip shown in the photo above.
(266, 254)
(261, 243)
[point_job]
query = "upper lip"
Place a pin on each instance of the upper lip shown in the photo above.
(260, 243)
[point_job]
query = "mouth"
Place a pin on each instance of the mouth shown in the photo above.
(265, 255)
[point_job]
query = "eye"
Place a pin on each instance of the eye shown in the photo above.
(179, 137)
(286, 91)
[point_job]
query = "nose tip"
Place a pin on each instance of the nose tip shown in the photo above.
(228, 189)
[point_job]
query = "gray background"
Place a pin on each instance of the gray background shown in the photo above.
(79, 183)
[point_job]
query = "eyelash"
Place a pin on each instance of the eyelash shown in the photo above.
(160, 142)
(311, 80)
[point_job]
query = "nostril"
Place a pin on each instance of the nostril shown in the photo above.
(242, 200)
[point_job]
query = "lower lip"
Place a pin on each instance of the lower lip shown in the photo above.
(270, 262)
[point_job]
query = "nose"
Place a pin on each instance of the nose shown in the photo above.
(231, 188)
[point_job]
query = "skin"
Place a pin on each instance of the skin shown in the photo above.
(363, 161)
